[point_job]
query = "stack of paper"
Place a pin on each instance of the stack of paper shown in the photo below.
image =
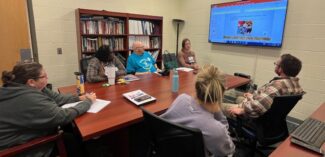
(94, 108)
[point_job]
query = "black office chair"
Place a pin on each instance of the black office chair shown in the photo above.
(84, 66)
(245, 87)
(271, 127)
(172, 140)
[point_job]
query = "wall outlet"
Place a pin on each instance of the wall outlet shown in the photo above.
(59, 51)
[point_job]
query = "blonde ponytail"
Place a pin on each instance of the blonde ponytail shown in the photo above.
(209, 87)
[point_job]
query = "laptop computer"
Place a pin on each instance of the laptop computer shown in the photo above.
(310, 134)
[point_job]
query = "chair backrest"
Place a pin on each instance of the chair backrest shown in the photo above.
(19, 149)
(170, 139)
(245, 87)
(272, 126)
(84, 66)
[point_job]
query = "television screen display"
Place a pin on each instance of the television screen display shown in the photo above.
(251, 22)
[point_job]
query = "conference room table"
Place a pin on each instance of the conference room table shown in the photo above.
(121, 113)
(287, 148)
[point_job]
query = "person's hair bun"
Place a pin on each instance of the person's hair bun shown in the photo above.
(7, 76)
(210, 72)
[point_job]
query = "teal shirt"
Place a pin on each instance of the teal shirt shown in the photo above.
(140, 63)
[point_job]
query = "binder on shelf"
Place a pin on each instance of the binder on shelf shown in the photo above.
(138, 97)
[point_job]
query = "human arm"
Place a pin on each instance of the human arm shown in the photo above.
(43, 112)
(183, 63)
(236, 111)
(181, 59)
(93, 71)
(60, 99)
(219, 116)
(130, 67)
(217, 139)
(257, 104)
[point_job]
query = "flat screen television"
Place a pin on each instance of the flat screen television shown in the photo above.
(250, 22)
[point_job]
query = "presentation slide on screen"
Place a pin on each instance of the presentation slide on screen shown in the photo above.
(255, 24)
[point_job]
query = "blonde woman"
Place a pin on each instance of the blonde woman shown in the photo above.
(203, 112)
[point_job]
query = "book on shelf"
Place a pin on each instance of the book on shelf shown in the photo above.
(154, 54)
(89, 44)
(143, 27)
(138, 97)
(144, 39)
(101, 25)
(154, 42)
(121, 58)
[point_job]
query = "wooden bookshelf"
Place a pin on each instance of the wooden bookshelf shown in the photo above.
(119, 31)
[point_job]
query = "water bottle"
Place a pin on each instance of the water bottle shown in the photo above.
(175, 84)
(80, 83)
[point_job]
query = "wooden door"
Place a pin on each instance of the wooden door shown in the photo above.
(14, 32)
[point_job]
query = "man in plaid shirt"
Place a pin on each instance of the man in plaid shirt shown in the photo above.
(256, 104)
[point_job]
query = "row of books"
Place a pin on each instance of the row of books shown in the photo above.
(153, 42)
(143, 27)
(102, 26)
(92, 44)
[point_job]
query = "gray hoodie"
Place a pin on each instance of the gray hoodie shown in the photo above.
(27, 113)
(186, 111)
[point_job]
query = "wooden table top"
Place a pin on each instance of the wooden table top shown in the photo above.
(121, 113)
(290, 149)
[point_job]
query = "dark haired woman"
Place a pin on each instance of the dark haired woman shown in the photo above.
(29, 110)
(103, 57)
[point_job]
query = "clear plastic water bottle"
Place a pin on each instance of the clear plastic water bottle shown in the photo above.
(175, 83)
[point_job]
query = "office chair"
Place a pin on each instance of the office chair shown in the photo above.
(57, 138)
(172, 140)
(245, 87)
(271, 127)
(84, 66)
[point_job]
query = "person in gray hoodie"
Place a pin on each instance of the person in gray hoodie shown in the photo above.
(204, 112)
(29, 110)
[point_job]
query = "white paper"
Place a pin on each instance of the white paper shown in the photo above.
(184, 69)
(98, 105)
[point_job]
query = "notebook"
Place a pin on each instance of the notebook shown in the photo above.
(310, 134)
(139, 97)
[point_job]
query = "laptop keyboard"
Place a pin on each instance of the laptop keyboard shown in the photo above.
(311, 131)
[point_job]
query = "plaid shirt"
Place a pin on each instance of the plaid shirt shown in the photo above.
(96, 72)
(263, 97)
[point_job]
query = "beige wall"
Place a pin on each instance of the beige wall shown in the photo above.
(55, 27)
(304, 38)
